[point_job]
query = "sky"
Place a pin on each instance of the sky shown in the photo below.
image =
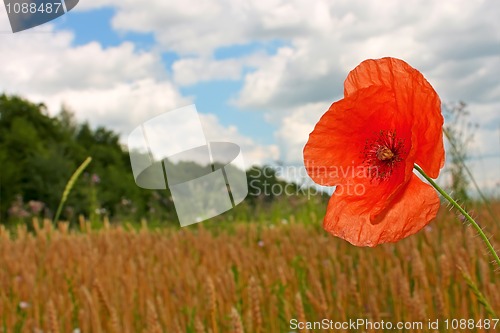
(261, 73)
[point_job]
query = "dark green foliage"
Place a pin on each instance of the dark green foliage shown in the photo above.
(264, 185)
(32, 160)
(39, 152)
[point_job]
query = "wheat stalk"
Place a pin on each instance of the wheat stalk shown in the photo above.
(255, 305)
(299, 307)
(153, 322)
(236, 321)
(114, 321)
(101, 297)
(198, 325)
(94, 315)
(212, 304)
(52, 318)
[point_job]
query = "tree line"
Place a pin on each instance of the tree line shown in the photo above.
(39, 153)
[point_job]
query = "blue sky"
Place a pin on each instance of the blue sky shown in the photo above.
(210, 97)
(261, 73)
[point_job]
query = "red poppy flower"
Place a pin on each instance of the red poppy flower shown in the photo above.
(367, 143)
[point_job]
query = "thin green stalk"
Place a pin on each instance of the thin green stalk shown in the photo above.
(69, 186)
(462, 211)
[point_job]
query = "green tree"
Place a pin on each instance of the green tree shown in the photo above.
(28, 139)
(38, 154)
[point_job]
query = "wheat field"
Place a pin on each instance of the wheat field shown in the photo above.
(242, 278)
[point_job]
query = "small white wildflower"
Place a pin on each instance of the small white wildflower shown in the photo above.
(24, 305)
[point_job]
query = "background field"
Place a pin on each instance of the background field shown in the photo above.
(121, 263)
(261, 74)
(237, 276)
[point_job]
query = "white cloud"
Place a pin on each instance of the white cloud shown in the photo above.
(253, 153)
(449, 41)
(455, 44)
(117, 87)
(112, 86)
(483, 160)
(47, 62)
(193, 70)
(199, 27)
(262, 85)
(121, 107)
(296, 127)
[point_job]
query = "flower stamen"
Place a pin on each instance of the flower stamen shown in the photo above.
(384, 153)
(381, 154)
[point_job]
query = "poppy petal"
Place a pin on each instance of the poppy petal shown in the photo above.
(410, 210)
(335, 146)
(415, 96)
(334, 153)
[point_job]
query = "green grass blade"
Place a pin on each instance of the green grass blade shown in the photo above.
(69, 186)
(480, 297)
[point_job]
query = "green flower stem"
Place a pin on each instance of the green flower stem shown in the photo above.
(462, 211)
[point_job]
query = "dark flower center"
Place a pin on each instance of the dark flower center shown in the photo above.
(381, 154)
(384, 153)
